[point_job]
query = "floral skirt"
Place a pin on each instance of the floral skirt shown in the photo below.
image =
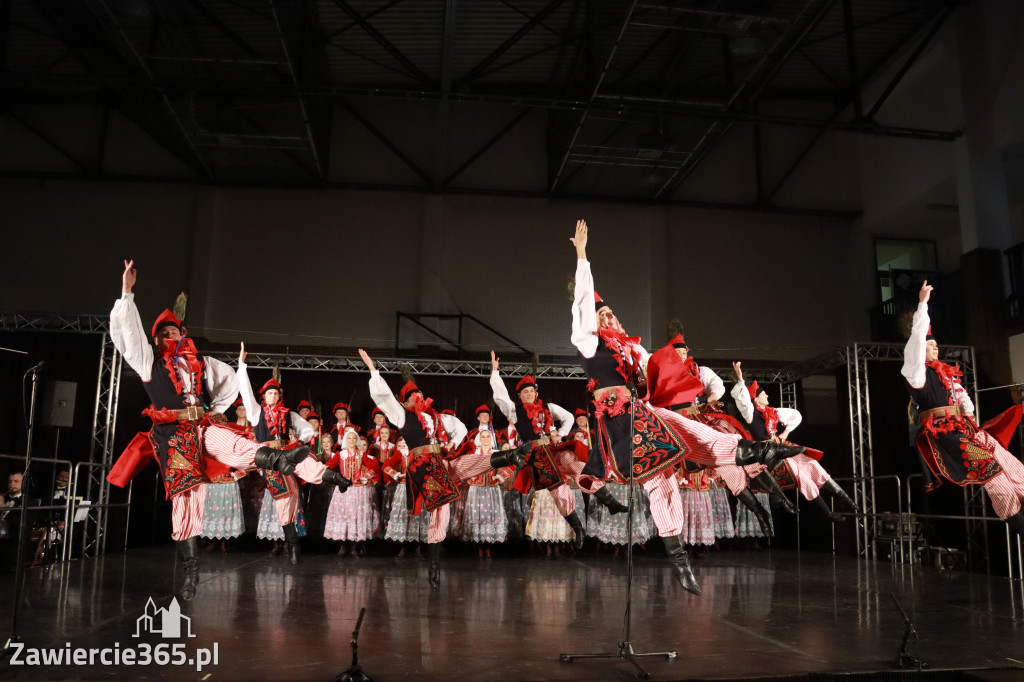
(546, 523)
(724, 527)
(352, 514)
(222, 511)
(483, 515)
(402, 527)
(746, 524)
(698, 517)
(269, 527)
(611, 528)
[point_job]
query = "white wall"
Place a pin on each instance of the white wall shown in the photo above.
(331, 268)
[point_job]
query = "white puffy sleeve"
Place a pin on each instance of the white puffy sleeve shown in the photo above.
(740, 394)
(914, 369)
(790, 417)
(502, 399)
(563, 418)
(129, 337)
(222, 383)
(454, 426)
(584, 315)
(252, 406)
(386, 400)
(713, 385)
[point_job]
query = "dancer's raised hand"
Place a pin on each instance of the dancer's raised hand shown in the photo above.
(580, 240)
(494, 362)
(366, 359)
(128, 277)
(736, 367)
(925, 294)
(242, 355)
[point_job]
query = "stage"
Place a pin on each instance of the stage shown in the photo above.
(763, 613)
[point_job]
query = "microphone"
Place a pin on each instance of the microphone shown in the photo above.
(39, 367)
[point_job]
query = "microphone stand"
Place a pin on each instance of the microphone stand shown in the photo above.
(625, 651)
(26, 487)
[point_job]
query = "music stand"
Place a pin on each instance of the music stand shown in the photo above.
(625, 651)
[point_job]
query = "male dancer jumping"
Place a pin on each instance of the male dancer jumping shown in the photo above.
(187, 437)
(950, 444)
(633, 435)
(548, 465)
(435, 469)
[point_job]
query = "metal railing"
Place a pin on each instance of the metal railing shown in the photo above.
(66, 507)
(862, 516)
(99, 541)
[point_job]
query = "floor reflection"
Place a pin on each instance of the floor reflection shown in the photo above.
(762, 613)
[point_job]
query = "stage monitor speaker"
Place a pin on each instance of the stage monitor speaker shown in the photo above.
(57, 407)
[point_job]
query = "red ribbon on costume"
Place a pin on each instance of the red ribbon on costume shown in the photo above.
(184, 350)
(535, 410)
(771, 419)
(624, 349)
(423, 406)
(275, 416)
(949, 374)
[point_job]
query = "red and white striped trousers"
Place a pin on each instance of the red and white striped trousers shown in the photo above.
(809, 475)
(461, 468)
(230, 448)
(1006, 490)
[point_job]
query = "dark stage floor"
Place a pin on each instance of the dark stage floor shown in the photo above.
(763, 613)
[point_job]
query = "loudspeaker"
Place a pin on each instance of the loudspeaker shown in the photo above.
(57, 407)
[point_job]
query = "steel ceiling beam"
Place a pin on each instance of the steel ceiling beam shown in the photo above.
(750, 88)
(593, 96)
(395, 149)
(502, 48)
(96, 58)
(909, 62)
(411, 69)
(300, 99)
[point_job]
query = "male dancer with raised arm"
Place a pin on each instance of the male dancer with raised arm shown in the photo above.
(632, 434)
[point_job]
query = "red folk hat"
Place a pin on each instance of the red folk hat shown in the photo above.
(526, 382)
(409, 388)
(580, 412)
(754, 389)
(376, 411)
(312, 415)
(341, 406)
(271, 384)
(599, 302)
(305, 403)
(164, 319)
(483, 408)
(678, 341)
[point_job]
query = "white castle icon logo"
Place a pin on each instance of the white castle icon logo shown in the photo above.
(165, 622)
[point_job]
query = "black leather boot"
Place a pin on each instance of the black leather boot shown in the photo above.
(1016, 523)
(189, 550)
(747, 499)
(766, 452)
(280, 460)
(605, 497)
(821, 504)
(332, 477)
(577, 529)
(434, 573)
(840, 496)
(291, 536)
(681, 560)
(775, 493)
(512, 457)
